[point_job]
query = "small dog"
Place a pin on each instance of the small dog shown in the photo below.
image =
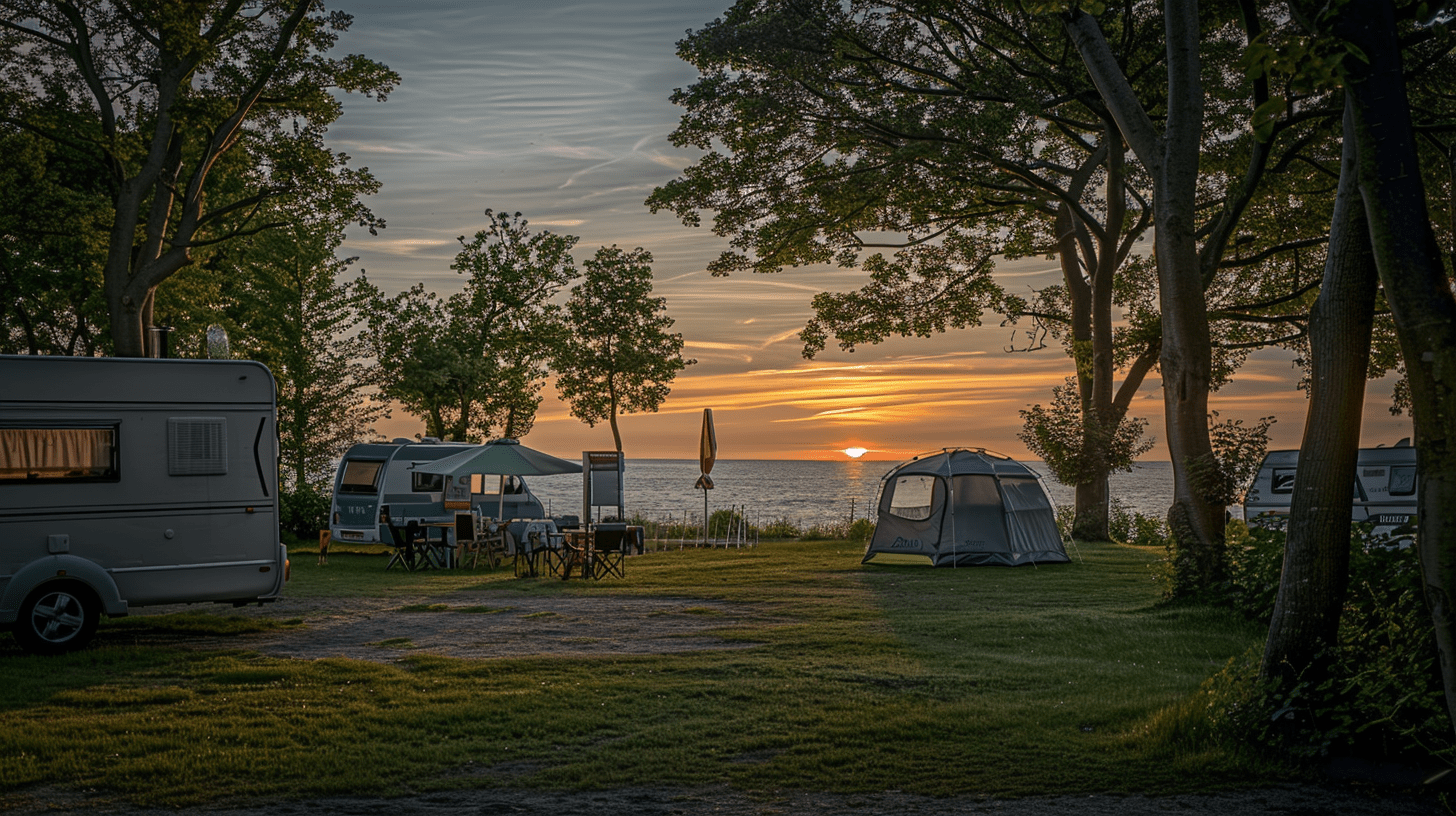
(323, 547)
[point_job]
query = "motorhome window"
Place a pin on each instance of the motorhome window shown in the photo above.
(427, 482)
(1282, 480)
(914, 497)
(58, 454)
(360, 477)
(197, 446)
(1403, 480)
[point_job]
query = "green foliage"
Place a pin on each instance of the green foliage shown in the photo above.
(1076, 448)
(727, 524)
(1375, 694)
(619, 356)
(860, 530)
(472, 365)
(1240, 451)
(925, 290)
(779, 528)
(50, 275)
(1135, 528)
(200, 119)
(303, 511)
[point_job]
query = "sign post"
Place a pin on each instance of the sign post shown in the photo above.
(602, 483)
(707, 454)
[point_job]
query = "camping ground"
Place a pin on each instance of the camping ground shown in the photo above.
(805, 674)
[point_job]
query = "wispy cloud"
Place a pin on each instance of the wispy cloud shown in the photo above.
(407, 246)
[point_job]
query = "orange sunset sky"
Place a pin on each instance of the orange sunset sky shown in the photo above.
(561, 111)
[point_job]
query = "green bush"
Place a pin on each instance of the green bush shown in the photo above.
(1376, 693)
(779, 528)
(303, 512)
(861, 530)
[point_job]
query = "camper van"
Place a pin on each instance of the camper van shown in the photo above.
(378, 479)
(133, 482)
(1384, 493)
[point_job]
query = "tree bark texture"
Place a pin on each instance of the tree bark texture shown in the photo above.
(1418, 292)
(1317, 550)
(1089, 267)
(1197, 516)
(1186, 361)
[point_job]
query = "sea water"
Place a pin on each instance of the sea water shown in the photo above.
(803, 493)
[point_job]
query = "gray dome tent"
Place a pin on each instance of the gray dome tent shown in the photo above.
(964, 507)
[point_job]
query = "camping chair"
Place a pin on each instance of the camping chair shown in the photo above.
(469, 542)
(535, 544)
(609, 548)
(406, 551)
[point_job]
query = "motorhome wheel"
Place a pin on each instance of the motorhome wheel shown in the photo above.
(57, 618)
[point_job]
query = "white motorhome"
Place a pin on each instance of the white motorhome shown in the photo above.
(133, 482)
(378, 478)
(1384, 493)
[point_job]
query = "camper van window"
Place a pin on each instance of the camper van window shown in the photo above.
(1282, 480)
(1403, 480)
(427, 482)
(58, 454)
(914, 497)
(360, 477)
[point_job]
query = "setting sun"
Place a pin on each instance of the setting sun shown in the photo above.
(855, 453)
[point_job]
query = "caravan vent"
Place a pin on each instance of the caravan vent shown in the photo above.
(197, 446)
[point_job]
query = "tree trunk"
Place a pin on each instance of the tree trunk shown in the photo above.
(1171, 158)
(1317, 549)
(1089, 512)
(612, 413)
(1090, 521)
(1419, 294)
(1197, 516)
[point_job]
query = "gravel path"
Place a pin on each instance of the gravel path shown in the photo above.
(484, 624)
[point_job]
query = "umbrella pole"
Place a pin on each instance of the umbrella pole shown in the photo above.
(705, 517)
(500, 512)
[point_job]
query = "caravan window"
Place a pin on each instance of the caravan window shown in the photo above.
(1282, 480)
(427, 482)
(1403, 480)
(914, 497)
(58, 454)
(360, 477)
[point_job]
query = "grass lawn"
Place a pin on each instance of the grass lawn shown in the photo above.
(1002, 681)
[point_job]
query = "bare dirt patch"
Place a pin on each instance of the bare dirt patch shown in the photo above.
(483, 624)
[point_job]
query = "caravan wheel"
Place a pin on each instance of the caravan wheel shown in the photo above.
(56, 618)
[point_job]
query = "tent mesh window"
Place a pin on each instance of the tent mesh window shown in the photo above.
(197, 446)
(913, 497)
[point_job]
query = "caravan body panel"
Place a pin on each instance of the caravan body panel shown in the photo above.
(148, 481)
(1384, 493)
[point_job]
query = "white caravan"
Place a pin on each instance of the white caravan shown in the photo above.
(133, 482)
(1384, 493)
(378, 479)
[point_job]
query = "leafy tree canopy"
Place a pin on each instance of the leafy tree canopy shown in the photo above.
(473, 364)
(198, 113)
(620, 356)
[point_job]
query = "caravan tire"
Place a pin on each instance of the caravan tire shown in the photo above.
(57, 617)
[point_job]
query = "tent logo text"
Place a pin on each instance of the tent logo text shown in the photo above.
(905, 544)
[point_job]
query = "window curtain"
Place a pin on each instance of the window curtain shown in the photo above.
(55, 453)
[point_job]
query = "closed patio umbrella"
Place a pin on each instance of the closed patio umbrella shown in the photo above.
(503, 457)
